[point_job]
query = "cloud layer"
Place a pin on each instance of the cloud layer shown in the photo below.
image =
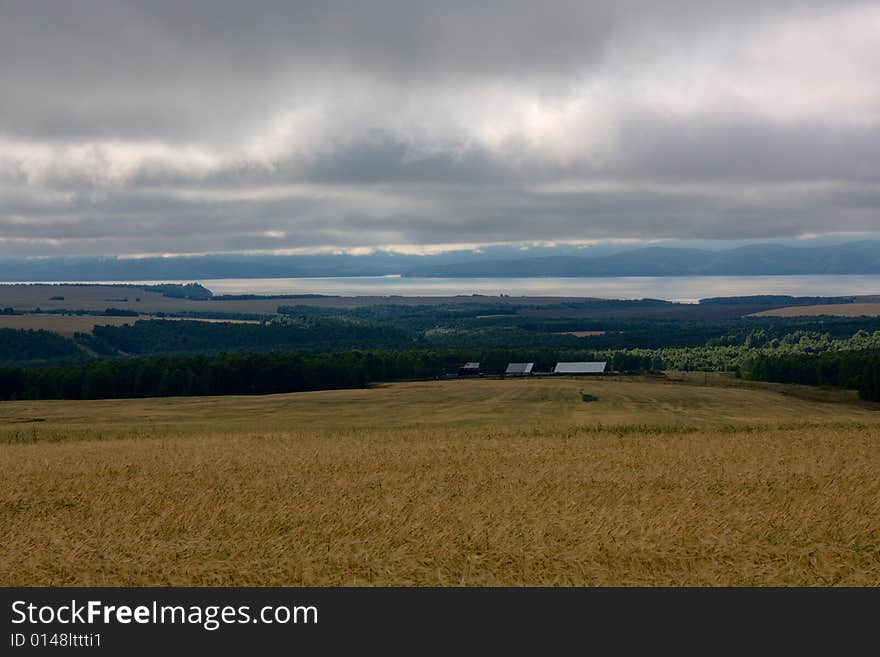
(165, 127)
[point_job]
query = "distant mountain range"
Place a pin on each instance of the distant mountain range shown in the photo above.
(565, 261)
(753, 260)
(191, 268)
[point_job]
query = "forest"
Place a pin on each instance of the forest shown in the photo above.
(36, 347)
(314, 334)
(311, 347)
(856, 370)
(244, 373)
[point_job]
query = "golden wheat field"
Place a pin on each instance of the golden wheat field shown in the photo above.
(480, 482)
(839, 310)
(70, 324)
(63, 324)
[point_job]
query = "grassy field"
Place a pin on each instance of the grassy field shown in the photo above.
(27, 297)
(837, 310)
(67, 325)
(64, 324)
(481, 482)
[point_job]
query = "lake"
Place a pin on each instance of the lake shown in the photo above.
(687, 289)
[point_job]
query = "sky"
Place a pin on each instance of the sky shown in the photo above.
(181, 126)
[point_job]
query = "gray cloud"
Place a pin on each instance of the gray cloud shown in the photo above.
(159, 126)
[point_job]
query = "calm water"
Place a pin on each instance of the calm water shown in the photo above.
(673, 288)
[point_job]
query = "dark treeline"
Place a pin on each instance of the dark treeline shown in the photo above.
(178, 291)
(660, 334)
(263, 373)
(263, 297)
(216, 314)
(225, 374)
(414, 317)
(178, 337)
(80, 312)
(775, 300)
(36, 346)
(248, 374)
(420, 327)
(856, 370)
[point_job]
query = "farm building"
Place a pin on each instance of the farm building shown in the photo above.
(451, 367)
(580, 368)
(542, 368)
(519, 369)
(469, 369)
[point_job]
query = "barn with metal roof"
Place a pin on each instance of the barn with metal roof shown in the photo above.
(580, 368)
(519, 369)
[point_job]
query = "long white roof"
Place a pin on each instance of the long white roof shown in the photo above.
(580, 368)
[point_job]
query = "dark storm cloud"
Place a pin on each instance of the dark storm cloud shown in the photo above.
(131, 127)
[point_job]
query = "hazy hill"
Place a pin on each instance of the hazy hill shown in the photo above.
(191, 268)
(757, 259)
(601, 260)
